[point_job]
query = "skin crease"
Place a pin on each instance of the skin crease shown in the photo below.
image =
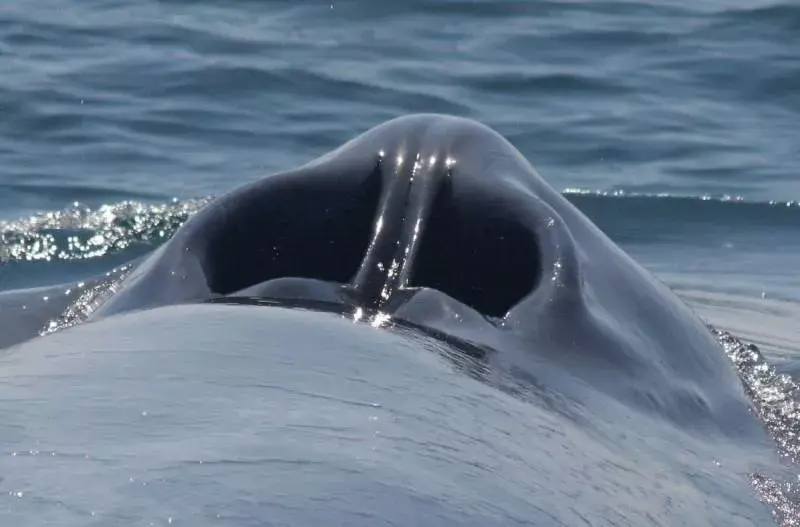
(440, 225)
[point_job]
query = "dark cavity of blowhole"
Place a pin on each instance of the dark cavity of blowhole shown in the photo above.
(478, 253)
(475, 252)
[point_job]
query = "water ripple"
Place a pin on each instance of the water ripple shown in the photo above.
(776, 400)
(80, 233)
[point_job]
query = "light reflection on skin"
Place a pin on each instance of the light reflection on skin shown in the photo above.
(392, 270)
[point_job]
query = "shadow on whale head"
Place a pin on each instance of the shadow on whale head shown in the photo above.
(440, 222)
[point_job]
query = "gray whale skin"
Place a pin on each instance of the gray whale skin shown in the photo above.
(413, 329)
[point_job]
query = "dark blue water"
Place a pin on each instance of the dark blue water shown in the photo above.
(672, 124)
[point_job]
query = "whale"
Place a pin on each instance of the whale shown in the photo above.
(414, 328)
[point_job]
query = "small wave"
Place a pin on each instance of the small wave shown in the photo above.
(723, 198)
(78, 232)
(779, 14)
(90, 297)
(775, 397)
(634, 219)
(546, 83)
(74, 193)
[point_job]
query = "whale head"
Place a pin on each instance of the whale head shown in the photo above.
(439, 222)
(365, 275)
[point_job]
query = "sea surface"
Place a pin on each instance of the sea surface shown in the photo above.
(674, 125)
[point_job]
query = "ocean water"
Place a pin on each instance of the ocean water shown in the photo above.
(672, 124)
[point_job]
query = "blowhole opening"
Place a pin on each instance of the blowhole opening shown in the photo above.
(477, 252)
(303, 227)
